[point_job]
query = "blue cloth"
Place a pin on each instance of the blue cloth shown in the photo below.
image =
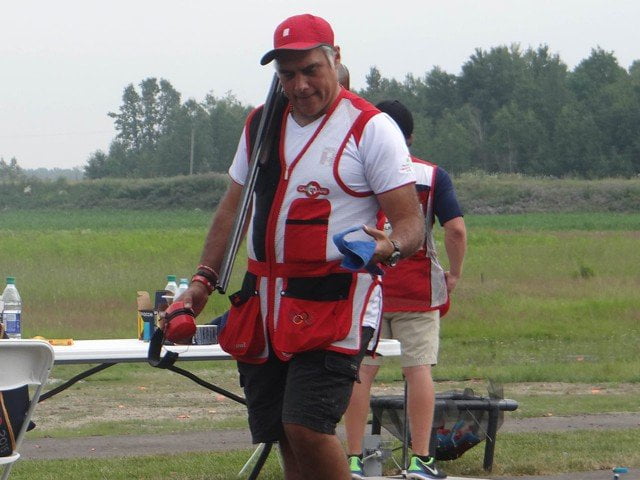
(357, 253)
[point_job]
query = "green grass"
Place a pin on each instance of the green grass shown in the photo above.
(564, 405)
(103, 220)
(143, 395)
(526, 311)
(544, 298)
(147, 427)
(191, 466)
(547, 453)
(596, 221)
(535, 297)
(78, 272)
(516, 454)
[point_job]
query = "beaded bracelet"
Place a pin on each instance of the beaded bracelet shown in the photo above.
(203, 280)
(204, 273)
(208, 269)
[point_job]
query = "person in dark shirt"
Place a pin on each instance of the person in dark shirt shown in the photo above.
(415, 296)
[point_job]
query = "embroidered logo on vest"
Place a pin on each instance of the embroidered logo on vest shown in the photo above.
(298, 318)
(328, 156)
(312, 189)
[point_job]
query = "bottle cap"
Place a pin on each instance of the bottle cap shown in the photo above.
(171, 278)
(184, 281)
(11, 280)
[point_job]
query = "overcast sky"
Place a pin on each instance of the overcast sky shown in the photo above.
(65, 63)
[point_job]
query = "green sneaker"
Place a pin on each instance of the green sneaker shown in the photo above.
(355, 466)
(420, 470)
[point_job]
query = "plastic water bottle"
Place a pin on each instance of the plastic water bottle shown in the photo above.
(171, 285)
(184, 284)
(12, 311)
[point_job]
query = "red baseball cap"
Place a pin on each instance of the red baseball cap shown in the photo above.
(300, 32)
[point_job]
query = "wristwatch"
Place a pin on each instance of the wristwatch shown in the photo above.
(392, 260)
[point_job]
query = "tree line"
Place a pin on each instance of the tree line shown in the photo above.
(160, 136)
(508, 111)
(10, 171)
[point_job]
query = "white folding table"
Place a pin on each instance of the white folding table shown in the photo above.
(127, 350)
(109, 352)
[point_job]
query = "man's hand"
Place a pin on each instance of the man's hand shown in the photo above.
(195, 297)
(384, 247)
(451, 281)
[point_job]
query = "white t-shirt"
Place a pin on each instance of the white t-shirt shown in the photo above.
(382, 152)
(379, 163)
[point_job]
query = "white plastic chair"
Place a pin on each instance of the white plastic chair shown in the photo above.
(23, 362)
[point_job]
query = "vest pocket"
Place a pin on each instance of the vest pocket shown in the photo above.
(314, 312)
(306, 230)
(243, 334)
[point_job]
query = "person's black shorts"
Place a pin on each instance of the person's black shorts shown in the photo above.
(312, 389)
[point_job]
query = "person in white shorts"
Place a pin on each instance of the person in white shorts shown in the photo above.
(415, 296)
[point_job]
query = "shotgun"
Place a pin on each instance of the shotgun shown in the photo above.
(259, 155)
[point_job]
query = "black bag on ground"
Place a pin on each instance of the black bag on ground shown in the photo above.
(454, 431)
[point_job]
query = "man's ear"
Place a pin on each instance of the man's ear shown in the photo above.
(409, 140)
(337, 57)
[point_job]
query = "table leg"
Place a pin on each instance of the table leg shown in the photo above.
(492, 430)
(77, 378)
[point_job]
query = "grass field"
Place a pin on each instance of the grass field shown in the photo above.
(544, 298)
(517, 454)
(541, 299)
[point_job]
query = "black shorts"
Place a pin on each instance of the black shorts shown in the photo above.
(312, 389)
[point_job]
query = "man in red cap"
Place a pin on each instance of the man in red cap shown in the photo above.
(302, 321)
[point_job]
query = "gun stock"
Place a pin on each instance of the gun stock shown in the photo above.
(259, 156)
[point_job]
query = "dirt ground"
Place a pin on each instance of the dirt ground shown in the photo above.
(86, 404)
(83, 407)
(221, 440)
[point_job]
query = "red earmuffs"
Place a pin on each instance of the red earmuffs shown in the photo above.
(179, 323)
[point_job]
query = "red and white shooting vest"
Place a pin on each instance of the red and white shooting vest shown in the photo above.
(295, 285)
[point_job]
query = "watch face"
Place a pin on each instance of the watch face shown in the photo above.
(393, 259)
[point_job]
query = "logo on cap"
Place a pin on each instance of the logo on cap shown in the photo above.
(300, 32)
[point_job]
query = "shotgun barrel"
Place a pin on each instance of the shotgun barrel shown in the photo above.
(259, 156)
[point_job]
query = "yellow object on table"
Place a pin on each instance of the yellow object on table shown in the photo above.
(56, 341)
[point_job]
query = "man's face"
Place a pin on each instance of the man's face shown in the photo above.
(309, 81)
